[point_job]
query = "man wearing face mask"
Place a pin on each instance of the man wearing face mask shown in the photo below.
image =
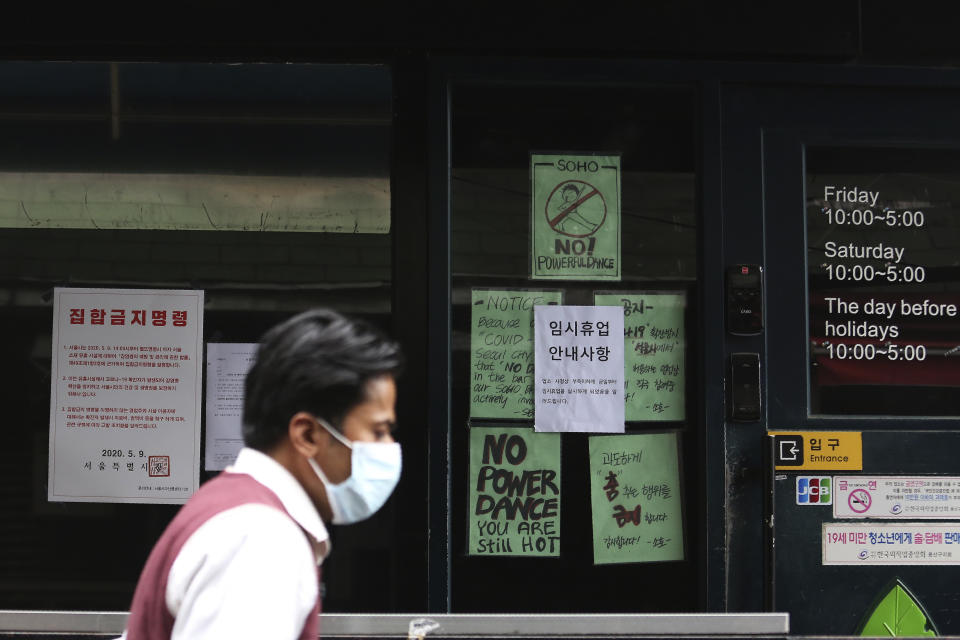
(241, 558)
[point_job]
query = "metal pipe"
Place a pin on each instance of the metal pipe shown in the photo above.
(332, 625)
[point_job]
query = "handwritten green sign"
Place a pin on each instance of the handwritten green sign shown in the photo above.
(635, 498)
(575, 217)
(501, 351)
(514, 492)
(654, 357)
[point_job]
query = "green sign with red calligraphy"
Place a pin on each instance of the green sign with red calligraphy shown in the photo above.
(635, 498)
(654, 352)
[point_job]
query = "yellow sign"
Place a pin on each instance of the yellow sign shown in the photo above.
(817, 450)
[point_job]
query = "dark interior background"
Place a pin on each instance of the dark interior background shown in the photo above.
(258, 120)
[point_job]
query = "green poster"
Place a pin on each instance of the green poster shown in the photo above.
(575, 216)
(514, 492)
(501, 351)
(635, 498)
(654, 352)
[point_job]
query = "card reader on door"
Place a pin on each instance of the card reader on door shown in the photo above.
(744, 387)
(745, 299)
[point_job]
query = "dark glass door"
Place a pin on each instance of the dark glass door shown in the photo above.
(848, 197)
(498, 132)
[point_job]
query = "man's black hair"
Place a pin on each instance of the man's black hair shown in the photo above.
(318, 361)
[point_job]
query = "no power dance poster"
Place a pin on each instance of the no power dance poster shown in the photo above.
(575, 217)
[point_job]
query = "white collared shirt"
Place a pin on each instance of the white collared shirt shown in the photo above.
(249, 571)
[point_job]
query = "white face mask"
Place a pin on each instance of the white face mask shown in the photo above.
(374, 473)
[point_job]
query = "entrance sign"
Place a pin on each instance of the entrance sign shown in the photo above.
(501, 351)
(514, 492)
(575, 216)
(579, 369)
(125, 395)
(897, 497)
(887, 543)
(636, 499)
(817, 450)
(654, 352)
(227, 367)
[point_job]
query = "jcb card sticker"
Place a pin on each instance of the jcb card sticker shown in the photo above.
(897, 497)
(814, 490)
(887, 543)
(817, 450)
(575, 217)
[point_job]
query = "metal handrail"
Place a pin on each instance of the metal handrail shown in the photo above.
(334, 625)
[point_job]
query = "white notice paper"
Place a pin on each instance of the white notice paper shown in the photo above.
(888, 543)
(900, 497)
(227, 367)
(125, 395)
(578, 376)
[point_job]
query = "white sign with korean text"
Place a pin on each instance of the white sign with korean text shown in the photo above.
(578, 376)
(887, 543)
(911, 497)
(125, 395)
(227, 367)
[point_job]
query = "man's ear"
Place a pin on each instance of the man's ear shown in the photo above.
(305, 434)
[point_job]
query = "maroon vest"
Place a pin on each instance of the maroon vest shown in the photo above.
(149, 618)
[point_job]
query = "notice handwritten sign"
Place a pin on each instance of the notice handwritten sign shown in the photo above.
(575, 217)
(579, 369)
(635, 497)
(514, 492)
(125, 395)
(654, 352)
(501, 351)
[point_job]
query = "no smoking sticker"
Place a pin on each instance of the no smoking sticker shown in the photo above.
(897, 497)
(575, 216)
(859, 500)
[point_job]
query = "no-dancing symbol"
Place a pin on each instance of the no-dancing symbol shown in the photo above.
(575, 208)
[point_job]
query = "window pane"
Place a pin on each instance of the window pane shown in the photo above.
(495, 131)
(882, 237)
(266, 186)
